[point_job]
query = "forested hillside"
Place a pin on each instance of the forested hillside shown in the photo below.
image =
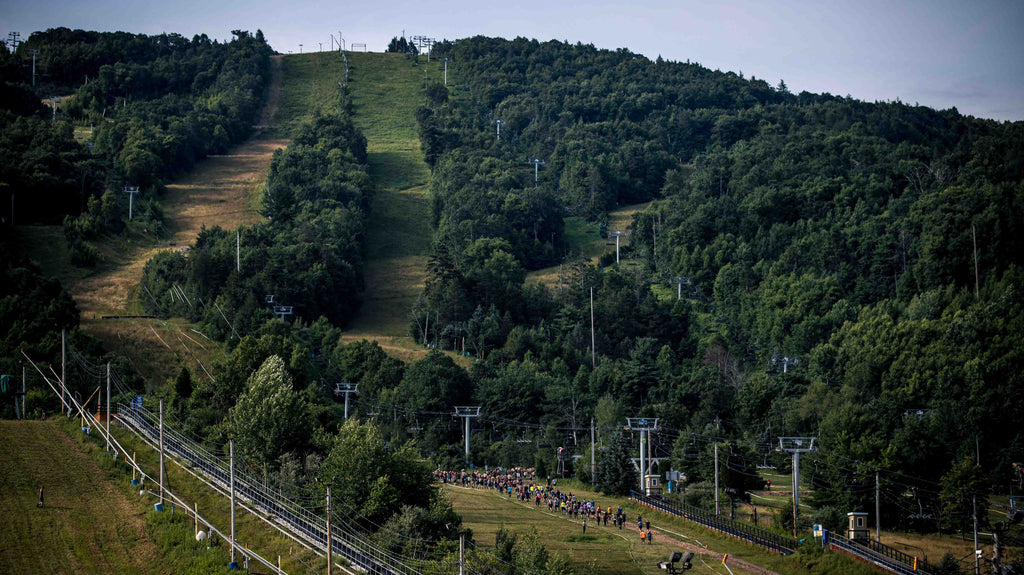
(850, 271)
(126, 110)
(846, 263)
(132, 110)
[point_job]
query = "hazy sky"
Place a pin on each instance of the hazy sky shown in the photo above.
(939, 53)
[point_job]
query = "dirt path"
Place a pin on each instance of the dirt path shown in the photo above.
(86, 524)
(221, 191)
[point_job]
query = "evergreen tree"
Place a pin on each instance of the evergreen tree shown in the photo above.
(615, 472)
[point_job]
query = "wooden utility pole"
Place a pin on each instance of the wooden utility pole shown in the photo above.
(330, 558)
(161, 451)
(593, 459)
(108, 406)
(974, 236)
(462, 554)
(718, 509)
(231, 486)
(878, 509)
(593, 340)
(63, 370)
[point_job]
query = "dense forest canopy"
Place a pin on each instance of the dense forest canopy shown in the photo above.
(121, 110)
(877, 244)
(308, 254)
(852, 272)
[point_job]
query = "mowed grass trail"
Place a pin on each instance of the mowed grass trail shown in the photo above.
(223, 190)
(386, 89)
(86, 525)
(584, 242)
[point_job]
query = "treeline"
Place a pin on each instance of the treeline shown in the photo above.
(308, 255)
(147, 108)
(844, 262)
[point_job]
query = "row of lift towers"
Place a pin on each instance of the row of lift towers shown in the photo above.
(650, 483)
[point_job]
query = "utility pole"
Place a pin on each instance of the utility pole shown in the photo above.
(593, 458)
(131, 191)
(617, 234)
(974, 235)
(878, 509)
(34, 54)
(161, 452)
(718, 509)
(63, 369)
(231, 487)
(238, 250)
(108, 406)
(462, 554)
(644, 426)
(347, 389)
(446, 71)
(796, 446)
(466, 413)
(593, 340)
(330, 556)
(974, 511)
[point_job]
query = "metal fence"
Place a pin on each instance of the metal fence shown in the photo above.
(346, 541)
(756, 535)
(881, 555)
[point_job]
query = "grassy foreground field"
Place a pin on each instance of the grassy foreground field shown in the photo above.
(608, 550)
(86, 525)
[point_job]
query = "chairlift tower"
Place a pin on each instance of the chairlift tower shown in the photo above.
(131, 191)
(680, 282)
(347, 389)
(796, 446)
(537, 163)
(34, 54)
(644, 425)
(422, 42)
(283, 310)
(467, 412)
(618, 234)
(499, 123)
(786, 361)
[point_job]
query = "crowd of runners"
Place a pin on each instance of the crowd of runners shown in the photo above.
(522, 484)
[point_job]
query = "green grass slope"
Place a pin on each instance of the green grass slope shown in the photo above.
(86, 525)
(386, 89)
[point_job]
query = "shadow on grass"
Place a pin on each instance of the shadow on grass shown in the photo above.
(398, 170)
